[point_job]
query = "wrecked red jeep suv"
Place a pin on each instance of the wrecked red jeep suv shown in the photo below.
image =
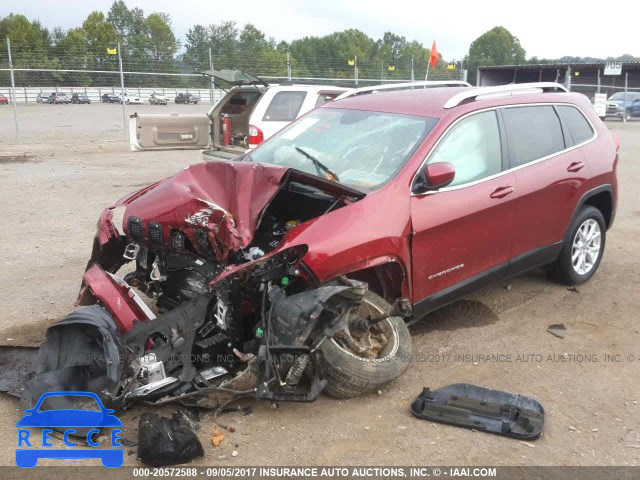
(297, 267)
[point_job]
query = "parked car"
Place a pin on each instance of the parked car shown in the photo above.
(157, 99)
(43, 98)
(3, 100)
(186, 98)
(59, 97)
(110, 98)
(80, 98)
(130, 99)
(302, 262)
(624, 105)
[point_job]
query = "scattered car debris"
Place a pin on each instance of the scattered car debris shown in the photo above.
(557, 329)
(167, 441)
(16, 365)
(481, 409)
(216, 436)
(573, 289)
(128, 443)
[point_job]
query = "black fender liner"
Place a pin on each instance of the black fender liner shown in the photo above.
(608, 188)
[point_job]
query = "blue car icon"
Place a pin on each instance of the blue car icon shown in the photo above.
(70, 422)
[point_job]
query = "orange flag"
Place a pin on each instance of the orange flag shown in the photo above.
(433, 58)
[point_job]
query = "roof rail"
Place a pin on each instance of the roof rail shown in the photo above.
(484, 93)
(404, 86)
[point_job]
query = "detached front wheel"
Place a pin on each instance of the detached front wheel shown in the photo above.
(361, 362)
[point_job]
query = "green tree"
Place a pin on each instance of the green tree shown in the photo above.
(252, 40)
(29, 41)
(100, 34)
(495, 47)
(196, 55)
(223, 40)
(132, 31)
(30, 45)
(162, 41)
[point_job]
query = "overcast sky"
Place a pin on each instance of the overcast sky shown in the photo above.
(546, 29)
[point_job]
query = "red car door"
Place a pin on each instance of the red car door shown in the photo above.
(549, 177)
(462, 232)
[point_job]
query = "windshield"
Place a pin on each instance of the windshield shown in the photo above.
(362, 149)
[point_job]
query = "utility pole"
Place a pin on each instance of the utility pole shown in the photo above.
(13, 92)
(412, 75)
(122, 96)
(288, 67)
(626, 85)
(212, 85)
(381, 71)
(355, 69)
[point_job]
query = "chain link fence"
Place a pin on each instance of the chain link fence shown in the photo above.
(29, 77)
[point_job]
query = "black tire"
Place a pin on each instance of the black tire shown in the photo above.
(627, 116)
(349, 375)
(562, 270)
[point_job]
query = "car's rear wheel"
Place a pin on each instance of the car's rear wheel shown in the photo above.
(361, 363)
(582, 249)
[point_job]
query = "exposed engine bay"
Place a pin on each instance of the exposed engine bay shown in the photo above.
(230, 305)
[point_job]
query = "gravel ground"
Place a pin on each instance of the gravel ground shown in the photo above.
(53, 189)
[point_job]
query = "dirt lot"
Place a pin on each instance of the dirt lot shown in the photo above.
(51, 200)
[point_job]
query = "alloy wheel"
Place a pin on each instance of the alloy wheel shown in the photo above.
(586, 246)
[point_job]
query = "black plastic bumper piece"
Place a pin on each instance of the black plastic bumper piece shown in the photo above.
(482, 409)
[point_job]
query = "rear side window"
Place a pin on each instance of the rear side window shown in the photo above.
(473, 148)
(284, 107)
(324, 97)
(532, 133)
(578, 126)
(239, 102)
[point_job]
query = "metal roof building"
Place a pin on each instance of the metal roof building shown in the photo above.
(586, 78)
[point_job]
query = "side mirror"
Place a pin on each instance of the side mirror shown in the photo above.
(434, 176)
(439, 174)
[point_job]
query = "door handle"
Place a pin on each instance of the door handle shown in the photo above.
(575, 166)
(502, 192)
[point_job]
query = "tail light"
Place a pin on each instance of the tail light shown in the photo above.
(256, 136)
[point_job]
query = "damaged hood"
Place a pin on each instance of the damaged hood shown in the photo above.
(222, 200)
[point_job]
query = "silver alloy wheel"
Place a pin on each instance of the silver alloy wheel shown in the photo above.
(586, 246)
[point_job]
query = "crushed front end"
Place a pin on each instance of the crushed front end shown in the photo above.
(232, 306)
